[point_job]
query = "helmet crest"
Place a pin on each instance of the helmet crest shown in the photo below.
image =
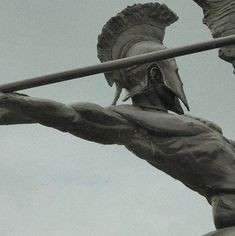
(135, 23)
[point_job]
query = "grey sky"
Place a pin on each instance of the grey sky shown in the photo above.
(52, 183)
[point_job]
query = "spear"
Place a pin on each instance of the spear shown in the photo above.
(117, 64)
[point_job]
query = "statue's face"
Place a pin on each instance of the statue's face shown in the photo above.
(161, 77)
(148, 77)
(150, 80)
(155, 83)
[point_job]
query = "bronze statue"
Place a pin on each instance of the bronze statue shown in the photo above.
(154, 127)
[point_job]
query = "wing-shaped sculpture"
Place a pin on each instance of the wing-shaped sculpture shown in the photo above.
(219, 16)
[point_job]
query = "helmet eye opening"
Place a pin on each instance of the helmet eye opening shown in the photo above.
(155, 76)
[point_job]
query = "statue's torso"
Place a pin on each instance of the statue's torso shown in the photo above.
(185, 148)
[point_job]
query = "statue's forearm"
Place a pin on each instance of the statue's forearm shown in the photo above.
(84, 120)
(43, 111)
(10, 118)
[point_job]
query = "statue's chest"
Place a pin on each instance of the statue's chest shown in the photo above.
(182, 150)
(198, 161)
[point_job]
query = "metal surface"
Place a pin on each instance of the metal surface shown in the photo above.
(117, 64)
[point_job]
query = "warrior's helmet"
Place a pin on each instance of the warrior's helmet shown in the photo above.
(136, 30)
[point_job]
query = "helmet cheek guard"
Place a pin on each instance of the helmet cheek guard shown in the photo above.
(172, 80)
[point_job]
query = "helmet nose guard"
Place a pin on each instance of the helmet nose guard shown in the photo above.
(135, 30)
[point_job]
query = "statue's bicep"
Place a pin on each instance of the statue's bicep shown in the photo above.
(101, 125)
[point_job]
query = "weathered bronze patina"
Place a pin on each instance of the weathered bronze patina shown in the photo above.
(192, 150)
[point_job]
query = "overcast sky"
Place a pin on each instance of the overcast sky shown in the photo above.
(54, 184)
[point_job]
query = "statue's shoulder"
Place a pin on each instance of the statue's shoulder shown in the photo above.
(210, 124)
(160, 121)
(125, 109)
(97, 113)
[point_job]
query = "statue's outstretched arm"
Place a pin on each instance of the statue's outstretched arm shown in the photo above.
(34, 110)
(85, 120)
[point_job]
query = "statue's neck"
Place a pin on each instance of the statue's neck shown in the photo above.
(148, 101)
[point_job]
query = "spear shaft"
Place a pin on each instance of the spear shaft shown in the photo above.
(117, 64)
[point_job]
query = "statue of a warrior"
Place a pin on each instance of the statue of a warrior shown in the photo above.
(154, 127)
